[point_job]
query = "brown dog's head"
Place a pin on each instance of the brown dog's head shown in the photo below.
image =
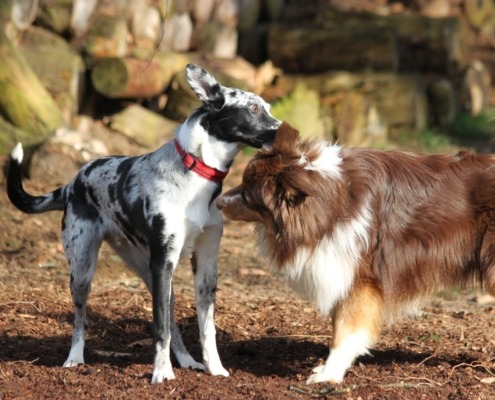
(288, 189)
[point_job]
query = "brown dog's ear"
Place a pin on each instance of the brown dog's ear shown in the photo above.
(286, 138)
(298, 184)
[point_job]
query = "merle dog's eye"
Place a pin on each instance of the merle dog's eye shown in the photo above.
(255, 108)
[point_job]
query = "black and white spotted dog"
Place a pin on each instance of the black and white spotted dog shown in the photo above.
(154, 210)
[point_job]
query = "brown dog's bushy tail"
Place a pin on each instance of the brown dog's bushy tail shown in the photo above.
(19, 197)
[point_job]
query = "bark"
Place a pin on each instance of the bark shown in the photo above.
(312, 49)
(402, 43)
(23, 99)
(218, 40)
(181, 99)
(400, 100)
(143, 126)
(136, 78)
(443, 101)
(146, 24)
(56, 14)
(127, 78)
(10, 135)
(107, 37)
(478, 12)
(357, 121)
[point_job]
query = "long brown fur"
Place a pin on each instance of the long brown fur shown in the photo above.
(431, 221)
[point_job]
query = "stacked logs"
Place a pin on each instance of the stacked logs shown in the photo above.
(369, 72)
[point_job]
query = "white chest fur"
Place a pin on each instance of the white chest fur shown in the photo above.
(326, 273)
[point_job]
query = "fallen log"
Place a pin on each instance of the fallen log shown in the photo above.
(367, 41)
(478, 12)
(218, 39)
(63, 79)
(249, 14)
(177, 33)
(82, 13)
(476, 88)
(146, 25)
(202, 10)
(23, 13)
(136, 78)
(444, 104)
(23, 99)
(313, 49)
(181, 99)
(145, 127)
(56, 14)
(400, 100)
(107, 37)
(357, 122)
(127, 78)
(10, 135)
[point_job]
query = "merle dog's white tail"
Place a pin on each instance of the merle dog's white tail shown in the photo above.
(20, 198)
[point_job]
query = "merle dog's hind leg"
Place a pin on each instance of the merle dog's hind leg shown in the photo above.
(81, 241)
(164, 257)
(205, 282)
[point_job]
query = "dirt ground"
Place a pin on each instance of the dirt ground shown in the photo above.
(268, 338)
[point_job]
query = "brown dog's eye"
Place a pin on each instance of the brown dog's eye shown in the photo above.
(255, 108)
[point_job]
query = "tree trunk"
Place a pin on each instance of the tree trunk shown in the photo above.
(23, 99)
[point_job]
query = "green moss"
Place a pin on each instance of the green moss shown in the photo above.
(301, 109)
(428, 141)
(474, 127)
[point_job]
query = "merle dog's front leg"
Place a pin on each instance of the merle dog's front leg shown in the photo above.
(183, 357)
(205, 282)
(161, 275)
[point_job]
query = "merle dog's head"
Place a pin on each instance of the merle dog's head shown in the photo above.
(231, 115)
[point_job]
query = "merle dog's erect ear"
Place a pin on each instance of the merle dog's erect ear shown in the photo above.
(207, 89)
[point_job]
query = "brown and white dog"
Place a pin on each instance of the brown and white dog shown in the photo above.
(366, 233)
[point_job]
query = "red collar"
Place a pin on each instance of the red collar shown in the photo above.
(194, 164)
